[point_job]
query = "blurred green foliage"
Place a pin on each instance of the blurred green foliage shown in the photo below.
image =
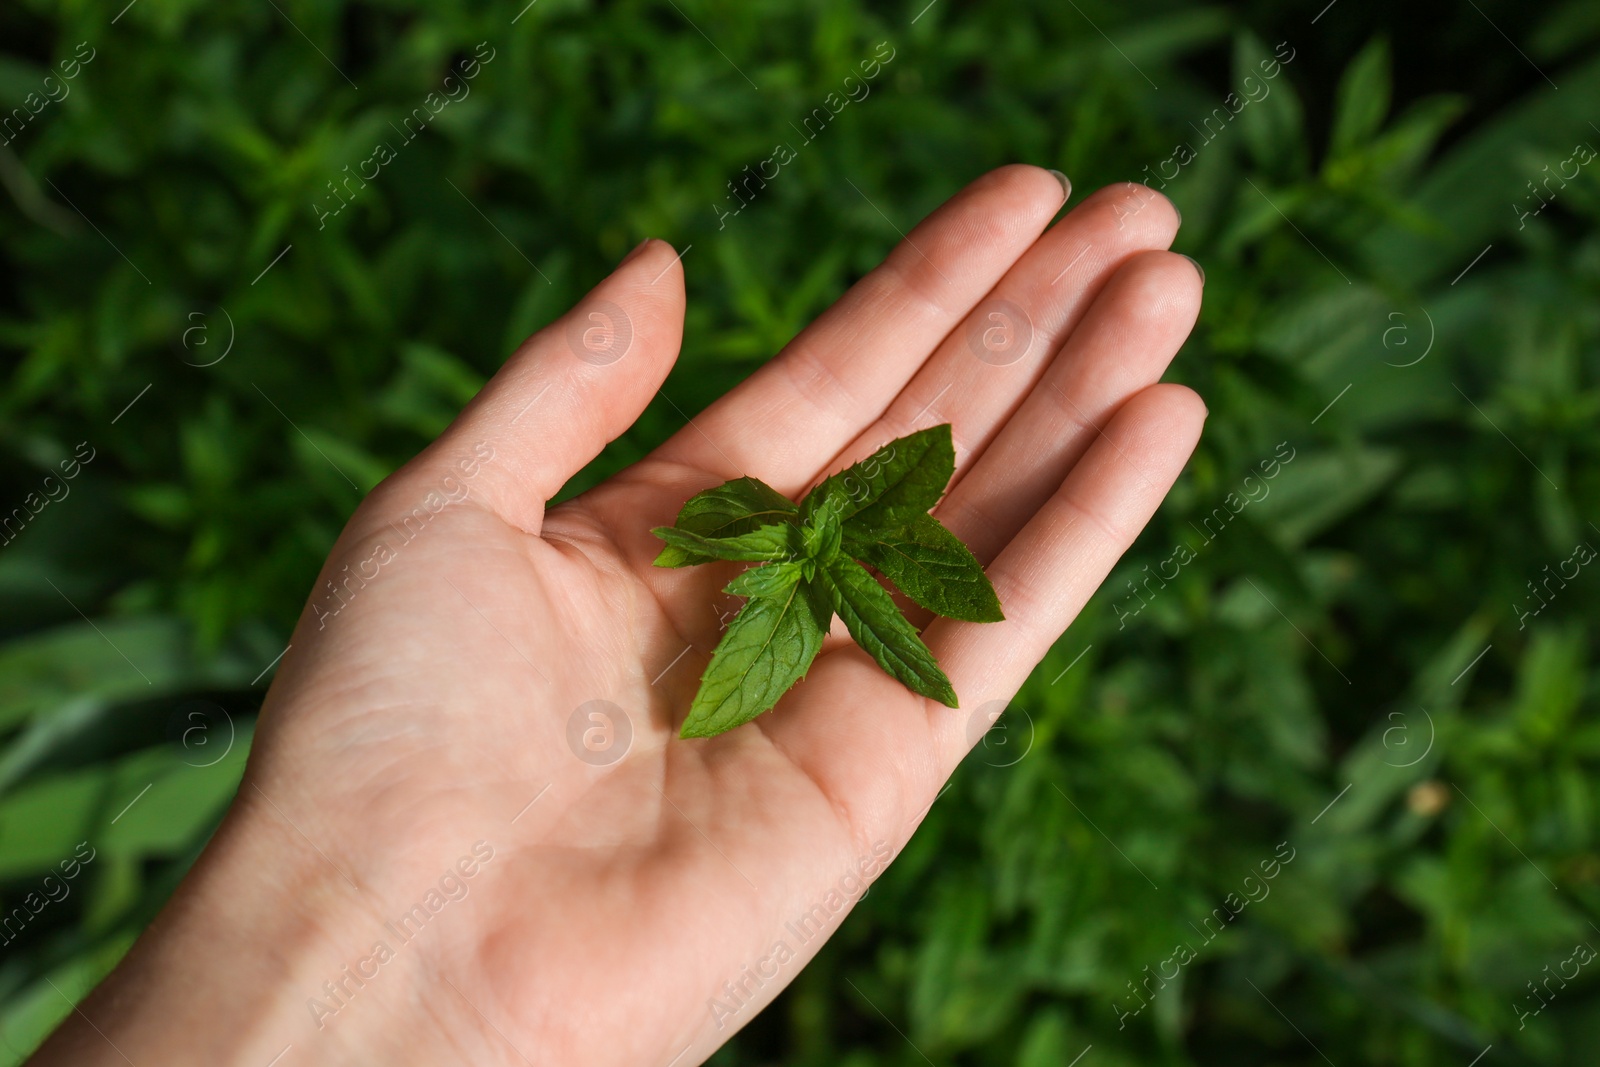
(1343, 663)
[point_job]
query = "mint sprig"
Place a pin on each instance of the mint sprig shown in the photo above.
(811, 564)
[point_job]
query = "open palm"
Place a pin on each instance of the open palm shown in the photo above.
(474, 670)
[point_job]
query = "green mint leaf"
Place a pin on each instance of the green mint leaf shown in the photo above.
(874, 512)
(904, 478)
(869, 612)
(821, 535)
(768, 647)
(730, 509)
(757, 546)
(930, 565)
(769, 579)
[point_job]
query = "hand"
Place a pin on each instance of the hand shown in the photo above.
(430, 716)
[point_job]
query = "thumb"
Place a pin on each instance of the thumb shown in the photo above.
(573, 387)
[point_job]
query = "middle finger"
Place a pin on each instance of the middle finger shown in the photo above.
(982, 371)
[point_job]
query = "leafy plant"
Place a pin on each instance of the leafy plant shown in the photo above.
(811, 565)
(1196, 734)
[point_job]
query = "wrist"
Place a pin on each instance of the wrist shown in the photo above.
(262, 949)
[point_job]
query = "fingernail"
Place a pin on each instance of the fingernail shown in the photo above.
(1066, 184)
(1198, 268)
(636, 250)
(1178, 213)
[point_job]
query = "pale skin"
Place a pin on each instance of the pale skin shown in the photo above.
(425, 716)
